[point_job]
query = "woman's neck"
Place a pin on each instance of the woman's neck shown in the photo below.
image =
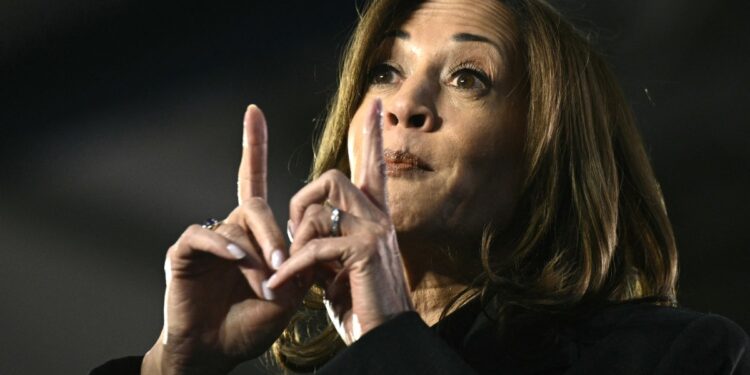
(431, 301)
(434, 279)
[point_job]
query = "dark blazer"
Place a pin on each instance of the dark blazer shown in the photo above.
(623, 339)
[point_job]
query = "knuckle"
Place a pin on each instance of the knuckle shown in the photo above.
(330, 174)
(191, 231)
(310, 246)
(319, 227)
(366, 254)
(294, 202)
(296, 209)
(338, 176)
(256, 204)
(371, 241)
(313, 245)
(172, 249)
(334, 179)
(312, 211)
(231, 231)
(235, 214)
(370, 245)
(378, 231)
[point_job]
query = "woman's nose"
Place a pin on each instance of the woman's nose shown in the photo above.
(412, 106)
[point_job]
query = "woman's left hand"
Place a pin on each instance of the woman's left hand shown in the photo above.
(361, 270)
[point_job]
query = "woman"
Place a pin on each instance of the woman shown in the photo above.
(480, 173)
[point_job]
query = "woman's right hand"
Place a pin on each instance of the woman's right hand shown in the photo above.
(215, 313)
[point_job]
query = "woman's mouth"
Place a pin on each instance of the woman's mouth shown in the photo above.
(399, 163)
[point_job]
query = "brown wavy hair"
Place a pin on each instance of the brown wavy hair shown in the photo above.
(590, 227)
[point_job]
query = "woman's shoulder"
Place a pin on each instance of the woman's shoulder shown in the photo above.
(650, 320)
(665, 339)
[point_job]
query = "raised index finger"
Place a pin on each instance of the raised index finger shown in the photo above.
(251, 178)
(370, 178)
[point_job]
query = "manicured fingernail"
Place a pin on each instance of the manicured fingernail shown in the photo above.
(271, 281)
(277, 257)
(235, 251)
(378, 108)
(377, 112)
(290, 230)
(267, 292)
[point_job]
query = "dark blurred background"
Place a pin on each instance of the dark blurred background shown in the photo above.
(121, 125)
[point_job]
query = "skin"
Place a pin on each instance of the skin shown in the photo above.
(225, 304)
(469, 132)
(214, 315)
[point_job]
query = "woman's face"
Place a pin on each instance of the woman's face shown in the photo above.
(452, 128)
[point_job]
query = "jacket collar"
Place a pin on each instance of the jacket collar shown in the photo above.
(474, 335)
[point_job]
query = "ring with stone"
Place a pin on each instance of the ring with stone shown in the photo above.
(212, 224)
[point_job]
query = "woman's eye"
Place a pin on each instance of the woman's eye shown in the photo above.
(467, 79)
(383, 74)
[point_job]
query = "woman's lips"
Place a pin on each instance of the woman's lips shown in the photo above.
(401, 162)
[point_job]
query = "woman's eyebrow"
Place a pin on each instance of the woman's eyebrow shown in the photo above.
(399, 34)
(466, 37)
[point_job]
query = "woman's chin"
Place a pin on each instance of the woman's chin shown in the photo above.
(415, 229)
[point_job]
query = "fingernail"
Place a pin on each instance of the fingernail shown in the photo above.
(271, 279)
(277, 257)
(235, 251)
(376, 116)
(377, 111)
(290, 230)
(378, 108)
(267, 292)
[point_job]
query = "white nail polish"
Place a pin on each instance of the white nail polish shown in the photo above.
(168, 271)
(235, 251)
(277, 257)
(289, 231)
(267, 292)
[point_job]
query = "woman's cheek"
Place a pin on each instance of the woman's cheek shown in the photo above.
(457, 210)
(476, 193)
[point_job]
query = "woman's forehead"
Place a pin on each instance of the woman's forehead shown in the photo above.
(488, 19)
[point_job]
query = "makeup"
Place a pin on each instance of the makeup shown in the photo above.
(398, 163)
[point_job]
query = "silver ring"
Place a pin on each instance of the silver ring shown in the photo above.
(336, 222)
(212, 224)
